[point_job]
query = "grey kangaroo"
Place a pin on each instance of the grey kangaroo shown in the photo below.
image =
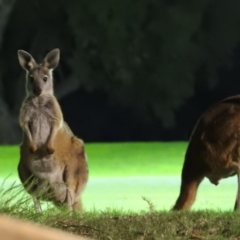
(53, 165)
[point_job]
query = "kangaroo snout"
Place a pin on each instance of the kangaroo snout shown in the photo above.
(37, 91)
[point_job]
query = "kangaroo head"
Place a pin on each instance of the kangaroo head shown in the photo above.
(39, 78)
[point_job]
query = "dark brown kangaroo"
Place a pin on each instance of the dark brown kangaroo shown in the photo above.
(52, 162)
(213, 151)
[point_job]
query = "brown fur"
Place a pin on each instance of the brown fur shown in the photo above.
(213, 151)
(52, 162)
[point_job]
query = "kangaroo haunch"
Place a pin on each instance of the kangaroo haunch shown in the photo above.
(52, 164)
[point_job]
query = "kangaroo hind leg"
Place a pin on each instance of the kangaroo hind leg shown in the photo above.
(192, 176)
(236, 166)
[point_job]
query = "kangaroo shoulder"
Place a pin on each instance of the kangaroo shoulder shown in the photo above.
(50, 104)
(27, 109)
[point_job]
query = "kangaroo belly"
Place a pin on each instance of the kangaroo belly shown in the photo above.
(44, 165)
(40, 129)
(50, 179)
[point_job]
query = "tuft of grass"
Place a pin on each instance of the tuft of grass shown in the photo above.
(14, 200)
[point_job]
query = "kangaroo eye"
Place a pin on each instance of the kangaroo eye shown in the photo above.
(45, 79)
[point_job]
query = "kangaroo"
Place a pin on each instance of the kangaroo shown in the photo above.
(53, 163)
(213, 151)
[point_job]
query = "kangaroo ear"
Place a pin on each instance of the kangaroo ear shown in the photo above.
(26, 60)
(52, 59)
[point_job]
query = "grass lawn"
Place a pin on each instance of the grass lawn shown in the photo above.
(131, 188)
(117, 159)
(122, 173)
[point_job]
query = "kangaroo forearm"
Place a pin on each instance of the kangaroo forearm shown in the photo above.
(28, 134)
(27, 131)
(52, 135)
(50, 143)
(54, 129)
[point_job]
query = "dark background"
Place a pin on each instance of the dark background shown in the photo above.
(130, 70)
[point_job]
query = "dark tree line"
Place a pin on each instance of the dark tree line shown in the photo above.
(148, 56)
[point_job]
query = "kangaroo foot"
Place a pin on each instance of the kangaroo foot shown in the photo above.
(32, 148)
(77, 207)
(50, 150)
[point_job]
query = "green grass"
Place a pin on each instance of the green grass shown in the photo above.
(122, 173)
(9, 157)
(117, 159)
(135, 159)
(127, 225)
(131, 188)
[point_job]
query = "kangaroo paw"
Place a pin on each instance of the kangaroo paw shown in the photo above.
(32, 148)
(50, 150)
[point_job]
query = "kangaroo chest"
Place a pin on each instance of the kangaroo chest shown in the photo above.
(40, 125)
(41, 116)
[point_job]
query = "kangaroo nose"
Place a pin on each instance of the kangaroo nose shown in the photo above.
(37, 91)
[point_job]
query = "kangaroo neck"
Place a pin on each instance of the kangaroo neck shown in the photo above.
(40, 100)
